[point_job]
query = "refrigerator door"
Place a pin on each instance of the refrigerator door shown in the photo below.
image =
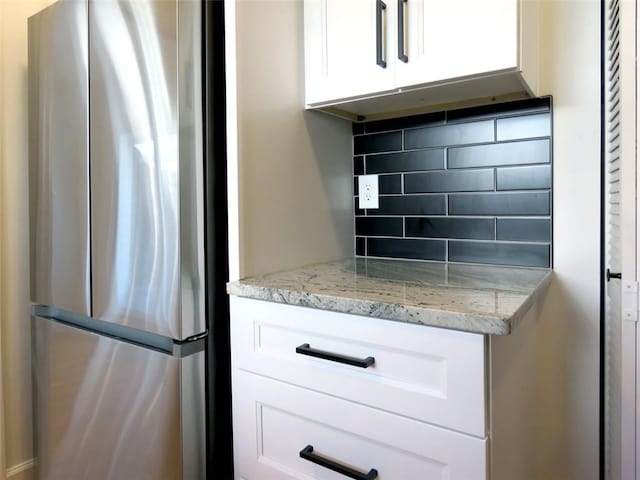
(147, 215)
(106, 409)
(58, 158)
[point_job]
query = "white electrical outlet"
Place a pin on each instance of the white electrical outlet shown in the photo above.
(368, 191)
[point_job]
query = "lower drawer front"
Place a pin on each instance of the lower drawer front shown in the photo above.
(275, 421)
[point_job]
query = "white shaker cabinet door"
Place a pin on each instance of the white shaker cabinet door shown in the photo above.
(341, 48)
(457, 38)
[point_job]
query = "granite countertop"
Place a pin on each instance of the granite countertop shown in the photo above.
(472, 298)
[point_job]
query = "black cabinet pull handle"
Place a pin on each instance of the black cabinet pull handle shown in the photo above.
(307, 454)
(401, 48)
(613, 275)
(380, 6)
(305, 349)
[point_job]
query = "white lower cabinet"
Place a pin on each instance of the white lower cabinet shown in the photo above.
(366, 398)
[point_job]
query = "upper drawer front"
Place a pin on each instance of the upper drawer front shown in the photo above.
(274, 422)
(430, 374)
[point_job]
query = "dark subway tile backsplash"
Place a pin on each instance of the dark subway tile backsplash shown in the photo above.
(472, 185)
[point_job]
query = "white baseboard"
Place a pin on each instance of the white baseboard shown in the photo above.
(21, 471)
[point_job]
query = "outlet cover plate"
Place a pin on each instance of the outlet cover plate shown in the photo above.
(368, 191)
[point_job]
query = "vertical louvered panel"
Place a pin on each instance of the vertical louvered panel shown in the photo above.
(620, 232)
(613, 314)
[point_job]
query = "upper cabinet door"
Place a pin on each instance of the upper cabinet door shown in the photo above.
(450, 39)
(346, 46)
(146, 165)
(58, 158)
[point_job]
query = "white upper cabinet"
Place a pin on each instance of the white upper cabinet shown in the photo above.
(434, 52)
(343, 42)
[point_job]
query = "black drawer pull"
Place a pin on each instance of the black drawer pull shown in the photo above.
(305, 349)
(307, 454)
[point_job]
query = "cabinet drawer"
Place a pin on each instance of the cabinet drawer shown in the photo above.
(274, 421)
(429, 374)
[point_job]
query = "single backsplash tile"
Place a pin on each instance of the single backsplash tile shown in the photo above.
(378, 142)
(379, 226)
(449, 181)
(525, 126)
(415, 161)
(494, 253)
(448, 227)
(524, 229)
(390, 184)
(457, 134)
(497, 154)
(503, 203)
(536, 177)
(406, 248)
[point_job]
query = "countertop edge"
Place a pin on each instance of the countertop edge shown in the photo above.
(467, 322)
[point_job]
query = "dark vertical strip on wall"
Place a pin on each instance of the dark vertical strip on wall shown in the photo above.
(472, 185)
(219, 453)
(602, 362)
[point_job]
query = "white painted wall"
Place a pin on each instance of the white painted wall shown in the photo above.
(14, 262)
(290, 170)
(282, 175)
(569, 321)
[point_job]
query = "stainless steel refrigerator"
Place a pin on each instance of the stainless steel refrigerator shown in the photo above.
(128, 243)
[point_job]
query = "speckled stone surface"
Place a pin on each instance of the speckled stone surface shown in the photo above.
(472, 298)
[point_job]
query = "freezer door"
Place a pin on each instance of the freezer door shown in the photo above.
(147, 214)
(58, 159)
(105, 409)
